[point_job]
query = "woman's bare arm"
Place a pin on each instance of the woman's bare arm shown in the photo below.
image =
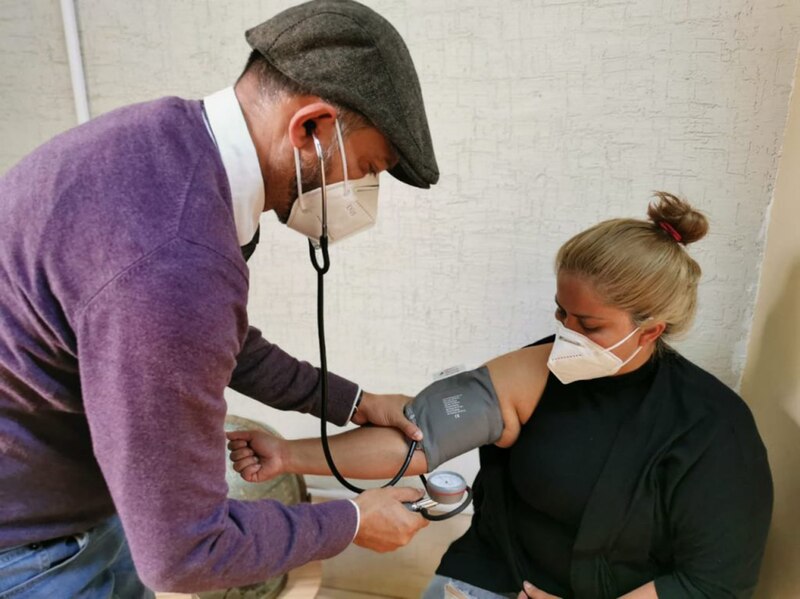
(518, 377)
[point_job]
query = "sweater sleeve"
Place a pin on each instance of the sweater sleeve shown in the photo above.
(268, 374)
(719, 515)
(156, 349)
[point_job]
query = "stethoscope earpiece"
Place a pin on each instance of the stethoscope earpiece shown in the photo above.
(310, 126)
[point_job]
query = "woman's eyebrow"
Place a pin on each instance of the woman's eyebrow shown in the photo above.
(581, 316)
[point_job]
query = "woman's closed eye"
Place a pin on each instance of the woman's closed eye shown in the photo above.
(561, 315)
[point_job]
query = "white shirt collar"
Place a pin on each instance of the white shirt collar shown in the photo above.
(228, 129)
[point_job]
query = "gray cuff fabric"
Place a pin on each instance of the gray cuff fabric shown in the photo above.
(456, 414)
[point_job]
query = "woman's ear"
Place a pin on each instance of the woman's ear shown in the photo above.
(652, 332)
(317, 117)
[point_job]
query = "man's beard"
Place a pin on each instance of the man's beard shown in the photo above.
(310, 173)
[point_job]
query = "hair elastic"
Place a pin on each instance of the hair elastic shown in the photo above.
(670, 229)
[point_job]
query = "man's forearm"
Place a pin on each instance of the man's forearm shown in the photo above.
(268, 374)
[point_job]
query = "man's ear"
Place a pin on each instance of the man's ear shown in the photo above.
(318, 118)
(652, 332)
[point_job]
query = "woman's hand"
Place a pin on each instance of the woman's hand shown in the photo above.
(386, 410)
(528, 590)
(647, 591)
(256, 455)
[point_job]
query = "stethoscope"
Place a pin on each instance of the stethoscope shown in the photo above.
(443, 488)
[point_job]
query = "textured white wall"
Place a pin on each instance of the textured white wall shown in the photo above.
(547, 117)
(34, 77)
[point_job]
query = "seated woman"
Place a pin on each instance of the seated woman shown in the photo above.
(641, 475)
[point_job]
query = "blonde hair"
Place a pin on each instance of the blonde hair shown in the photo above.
(641, 266)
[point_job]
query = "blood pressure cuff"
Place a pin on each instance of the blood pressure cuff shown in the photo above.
(456, 414)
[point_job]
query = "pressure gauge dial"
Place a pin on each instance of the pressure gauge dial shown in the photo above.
(446, 487)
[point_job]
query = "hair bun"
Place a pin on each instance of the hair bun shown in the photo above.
(689, 223)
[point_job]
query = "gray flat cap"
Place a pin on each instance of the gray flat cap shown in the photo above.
(347, 53)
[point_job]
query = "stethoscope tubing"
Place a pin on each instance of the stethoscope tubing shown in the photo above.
(321, 270)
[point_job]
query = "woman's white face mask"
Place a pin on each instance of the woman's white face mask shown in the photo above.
(575, 357)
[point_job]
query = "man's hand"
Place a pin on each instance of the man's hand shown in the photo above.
(386, 523)
(256, 455)
(386, 410)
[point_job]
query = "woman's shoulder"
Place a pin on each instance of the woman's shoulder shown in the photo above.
(543, 341)
(699, 386)
(717, 406)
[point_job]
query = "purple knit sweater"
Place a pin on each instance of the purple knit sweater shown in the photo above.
(123, 297)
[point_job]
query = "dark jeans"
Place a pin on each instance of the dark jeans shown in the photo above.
(442, 587)
(95, 564)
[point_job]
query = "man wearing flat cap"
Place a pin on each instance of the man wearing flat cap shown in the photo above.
(124, 292)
